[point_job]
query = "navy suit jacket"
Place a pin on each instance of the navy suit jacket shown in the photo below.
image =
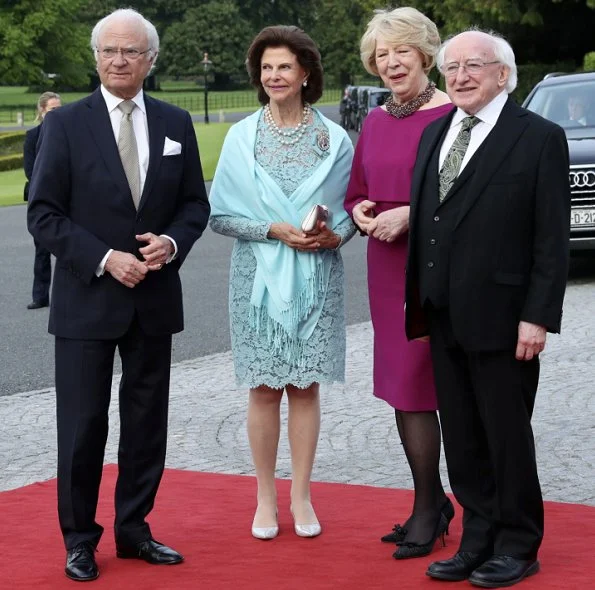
(80, 206)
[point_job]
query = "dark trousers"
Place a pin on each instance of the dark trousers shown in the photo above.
(84, 371)
(42, 274)
(486, 401)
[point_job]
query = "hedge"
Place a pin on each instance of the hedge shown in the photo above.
(12, 162)
(12, 143)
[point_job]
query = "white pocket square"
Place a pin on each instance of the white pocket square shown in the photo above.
(171, 147)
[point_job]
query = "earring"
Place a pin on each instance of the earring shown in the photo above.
(305, 83)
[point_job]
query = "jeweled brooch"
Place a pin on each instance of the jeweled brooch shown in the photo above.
(323, 141)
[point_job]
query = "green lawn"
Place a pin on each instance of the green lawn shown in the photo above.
(11, 187)
(210, 139)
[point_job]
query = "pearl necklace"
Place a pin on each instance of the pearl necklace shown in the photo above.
(288, 135)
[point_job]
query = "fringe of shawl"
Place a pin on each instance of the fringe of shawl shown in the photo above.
(288, 344)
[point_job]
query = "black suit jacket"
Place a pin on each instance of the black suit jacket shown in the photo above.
(80, 206)
(509, 244)
(29, 153)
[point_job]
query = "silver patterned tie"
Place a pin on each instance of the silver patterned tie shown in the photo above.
(454, 157)
(128, 150)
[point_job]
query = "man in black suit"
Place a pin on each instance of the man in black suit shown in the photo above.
(42, 266)
(118, 197)
(489, 230)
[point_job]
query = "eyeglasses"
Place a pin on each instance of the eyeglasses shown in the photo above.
(128, 54)
(471, 66)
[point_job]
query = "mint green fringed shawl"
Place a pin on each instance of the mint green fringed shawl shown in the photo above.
(289, 286)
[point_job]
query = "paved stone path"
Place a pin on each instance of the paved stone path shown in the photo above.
(358, 442)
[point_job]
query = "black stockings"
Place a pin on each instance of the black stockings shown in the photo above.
(420, 436)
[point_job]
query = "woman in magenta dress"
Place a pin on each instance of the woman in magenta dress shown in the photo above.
(400, 46)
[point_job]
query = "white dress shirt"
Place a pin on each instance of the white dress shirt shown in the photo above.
(141, 133)
(488, 117)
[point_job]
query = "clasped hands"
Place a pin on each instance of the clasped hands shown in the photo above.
(129, 270)
(386, 226)
(322, 237)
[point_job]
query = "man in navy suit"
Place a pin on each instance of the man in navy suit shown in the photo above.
(118, 197)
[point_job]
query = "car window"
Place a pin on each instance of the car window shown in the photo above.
(571, 105)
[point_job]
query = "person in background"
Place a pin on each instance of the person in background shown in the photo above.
(400, 46)
(486, 275)
(118, 197)
(42, 266)
(286, 287)
(577, 110)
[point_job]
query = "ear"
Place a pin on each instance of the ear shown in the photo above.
(503, 76)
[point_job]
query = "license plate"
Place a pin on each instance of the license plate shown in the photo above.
(582, 217)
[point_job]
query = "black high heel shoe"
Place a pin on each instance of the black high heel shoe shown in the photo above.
(407, 549)
(398, 533)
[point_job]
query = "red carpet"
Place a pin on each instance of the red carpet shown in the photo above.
(207, 517)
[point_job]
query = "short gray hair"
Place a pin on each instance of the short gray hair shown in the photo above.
(402, 26)
(503, 52)
(128, 14)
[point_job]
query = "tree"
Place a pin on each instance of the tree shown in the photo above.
(35, 42)
(262, 13)
(340, 25)
(216, 28)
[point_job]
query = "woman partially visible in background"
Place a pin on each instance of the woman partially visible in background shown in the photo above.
(42, 266)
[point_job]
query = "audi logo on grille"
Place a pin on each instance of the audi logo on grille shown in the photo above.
(582, 178)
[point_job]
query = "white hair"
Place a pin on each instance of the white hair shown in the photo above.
(133, 15)
(502, 52)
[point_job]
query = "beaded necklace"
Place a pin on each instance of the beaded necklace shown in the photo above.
(288, 135)
(408, 108)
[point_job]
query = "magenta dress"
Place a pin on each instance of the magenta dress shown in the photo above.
(381, 172)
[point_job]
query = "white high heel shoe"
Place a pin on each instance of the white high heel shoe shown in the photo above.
(265, 533)
(306, 530)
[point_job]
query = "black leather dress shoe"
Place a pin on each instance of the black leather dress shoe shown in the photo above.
(502, 570)
(80, 563)
(37, 304)
(457, 568)
(150, 551)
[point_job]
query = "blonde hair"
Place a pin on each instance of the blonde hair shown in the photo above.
(42, 102)
(401, 26)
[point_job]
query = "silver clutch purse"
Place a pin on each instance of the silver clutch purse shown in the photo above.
(316, 214)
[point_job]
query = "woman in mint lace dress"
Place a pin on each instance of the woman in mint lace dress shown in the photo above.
(286, 287)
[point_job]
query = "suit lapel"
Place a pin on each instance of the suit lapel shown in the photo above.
(430, 141)
(156, 126)
(101, 130)
(497, 146)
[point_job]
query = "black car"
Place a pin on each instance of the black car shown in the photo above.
(569, 101)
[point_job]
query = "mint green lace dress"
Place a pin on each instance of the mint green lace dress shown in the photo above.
(255, 364)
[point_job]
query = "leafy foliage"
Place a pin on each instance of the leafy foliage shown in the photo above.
(34, 43)
(40, 37)
(216, 28)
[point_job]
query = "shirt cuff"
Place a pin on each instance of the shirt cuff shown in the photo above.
(173, 256)
(101, 268)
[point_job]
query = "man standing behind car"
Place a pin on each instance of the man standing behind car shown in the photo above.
(118, 197)
(489, 231)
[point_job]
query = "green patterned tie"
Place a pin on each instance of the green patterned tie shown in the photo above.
(128, 150)
(455, 155)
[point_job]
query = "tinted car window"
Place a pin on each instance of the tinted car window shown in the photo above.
(571, 105)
